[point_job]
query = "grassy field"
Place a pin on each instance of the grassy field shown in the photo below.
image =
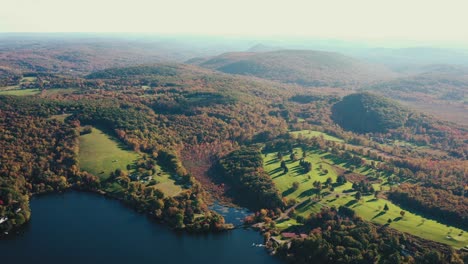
(28, 79)
(60, 117)
(312, 133)
(284, 181)
(368, 207)
(15, 90)
(20, 92)
(100, 154)
(24, 80)
(166, 183)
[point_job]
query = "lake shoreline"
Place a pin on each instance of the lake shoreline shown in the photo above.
(58, 217)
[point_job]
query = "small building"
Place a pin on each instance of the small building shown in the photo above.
(288, 235)
(3, 219)
(134, 177)
(293, 235)
(148, 178)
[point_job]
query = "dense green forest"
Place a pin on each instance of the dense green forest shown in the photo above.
(36, 155)
(252, 186)
(366, 112)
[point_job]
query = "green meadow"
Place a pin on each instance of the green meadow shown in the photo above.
(101, 154)
(166, 183)
(368, 207)
(312, 133)
(20, 92)
(284, 181)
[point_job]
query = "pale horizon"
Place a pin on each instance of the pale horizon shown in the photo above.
(418, 22)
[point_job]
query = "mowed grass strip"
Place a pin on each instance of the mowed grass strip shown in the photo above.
(100, 154)
(372, 210)
(167, 185)
(312, 133)
(368, 207)
(20, 92)
(284, 181)
(166, 182)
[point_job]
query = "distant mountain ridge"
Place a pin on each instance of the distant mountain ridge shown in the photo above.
(303, 67)
(444, 82)
(263, 48)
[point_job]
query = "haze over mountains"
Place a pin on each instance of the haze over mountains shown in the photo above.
(303, 67)
(311, 138)
(112, 50)
(420, 76)
(305, 132)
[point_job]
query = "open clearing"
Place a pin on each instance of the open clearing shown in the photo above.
(17, 91)
(166, 183)
(100, 154)
(20, 92)
(368, 207)
(312, 133)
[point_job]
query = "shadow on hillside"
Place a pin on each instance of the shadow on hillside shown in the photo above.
(287, 192)
(298, 169)
(272, 161)
(337, 160)
(304, 204)
(112, 136)
(308, 193)
(379, 214)
(275, 170)
(350, 203)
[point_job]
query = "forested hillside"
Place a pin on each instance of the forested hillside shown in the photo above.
(303, 67)
(368, 113)
(273, 147)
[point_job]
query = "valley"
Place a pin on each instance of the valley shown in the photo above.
(315, 144)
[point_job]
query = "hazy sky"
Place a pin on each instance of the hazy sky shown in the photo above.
(434, 20)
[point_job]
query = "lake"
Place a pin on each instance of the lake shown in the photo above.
(77, 227)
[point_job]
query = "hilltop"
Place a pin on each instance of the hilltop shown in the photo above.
(365, 112)
(303, 67)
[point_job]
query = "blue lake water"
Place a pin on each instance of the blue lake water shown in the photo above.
(77, 227)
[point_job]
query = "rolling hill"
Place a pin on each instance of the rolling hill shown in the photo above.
(439, 90)
(303, 67)
(365, 112)
(445, 82)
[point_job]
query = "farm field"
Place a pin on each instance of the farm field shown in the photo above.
(167, 184)
(100, 154)
(368, 207)
(20, 92)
